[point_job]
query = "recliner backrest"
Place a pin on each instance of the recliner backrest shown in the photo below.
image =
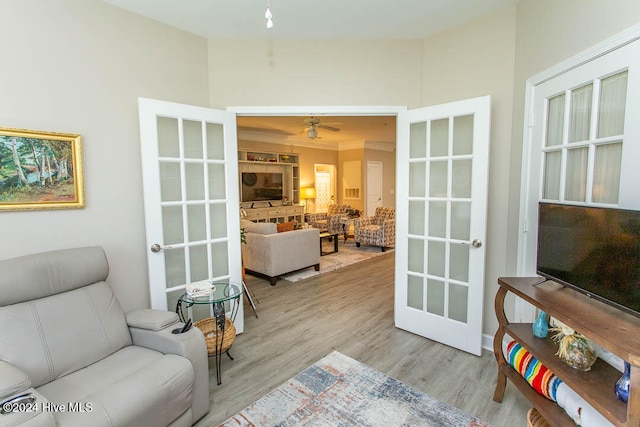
(58, 314)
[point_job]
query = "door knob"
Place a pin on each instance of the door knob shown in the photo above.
(476, 243)
(155, 248)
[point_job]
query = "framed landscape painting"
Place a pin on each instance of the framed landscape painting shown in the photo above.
(40, 170)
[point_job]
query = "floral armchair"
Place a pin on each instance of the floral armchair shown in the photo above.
(378, 230)
(330, 220)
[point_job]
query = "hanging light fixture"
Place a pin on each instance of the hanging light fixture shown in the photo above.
(268, 15)
(312, 133)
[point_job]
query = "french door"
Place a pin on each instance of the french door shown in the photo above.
(442, 170)
(190, 178)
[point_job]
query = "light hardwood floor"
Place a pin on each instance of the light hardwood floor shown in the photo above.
(350, 310)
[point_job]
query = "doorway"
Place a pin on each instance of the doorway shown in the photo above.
(325, 184)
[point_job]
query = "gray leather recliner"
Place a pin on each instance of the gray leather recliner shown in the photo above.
(66, 342)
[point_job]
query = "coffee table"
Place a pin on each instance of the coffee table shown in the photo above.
(327, 235)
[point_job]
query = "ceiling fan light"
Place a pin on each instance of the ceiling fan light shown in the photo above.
(312, 133)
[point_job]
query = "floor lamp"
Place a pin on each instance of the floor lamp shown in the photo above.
(307, 193)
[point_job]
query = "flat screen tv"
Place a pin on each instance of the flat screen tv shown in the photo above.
(260, 186)
(593, 250)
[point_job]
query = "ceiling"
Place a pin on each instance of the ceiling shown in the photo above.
(313, 19)
(292, 130)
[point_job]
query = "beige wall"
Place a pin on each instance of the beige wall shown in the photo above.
(79, 66)
(314, 73)
(474, 60)
(549, 32)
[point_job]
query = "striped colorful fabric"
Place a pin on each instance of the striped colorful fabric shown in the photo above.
(537, 375)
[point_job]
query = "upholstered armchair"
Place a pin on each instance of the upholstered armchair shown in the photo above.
(330, 220)
(377, 230)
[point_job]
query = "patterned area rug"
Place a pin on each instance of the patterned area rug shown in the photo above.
(338, 390)
(347, 254)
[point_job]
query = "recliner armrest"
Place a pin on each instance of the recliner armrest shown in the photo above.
(12, 380)
(15, 387)
(190, 344)
(153, 320)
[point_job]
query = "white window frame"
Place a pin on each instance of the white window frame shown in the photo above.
(525, 267)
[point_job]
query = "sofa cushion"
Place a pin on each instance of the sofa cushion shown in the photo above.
(286, 226)
(261, 228)
(134, 386)
(43, 338)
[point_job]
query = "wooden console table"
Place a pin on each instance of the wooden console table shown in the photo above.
(614, 330)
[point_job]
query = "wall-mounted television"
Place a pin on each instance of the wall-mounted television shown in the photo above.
(593, 250)
(261, 186)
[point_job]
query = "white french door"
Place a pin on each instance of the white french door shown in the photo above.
(374, 187)
(190, 178)
(442, 170)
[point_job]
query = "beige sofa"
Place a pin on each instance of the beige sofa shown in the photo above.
(67, 344)
(272, 254)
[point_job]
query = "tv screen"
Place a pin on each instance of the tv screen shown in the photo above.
(593, 250)
(261, 186)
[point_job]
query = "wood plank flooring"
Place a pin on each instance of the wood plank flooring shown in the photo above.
(350, 310)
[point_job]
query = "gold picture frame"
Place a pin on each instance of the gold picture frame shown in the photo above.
(40, 170)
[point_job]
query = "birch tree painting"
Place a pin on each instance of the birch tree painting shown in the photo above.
(40, 170)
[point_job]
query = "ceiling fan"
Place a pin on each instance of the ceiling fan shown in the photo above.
(312, 124)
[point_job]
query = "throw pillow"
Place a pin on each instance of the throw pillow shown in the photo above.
(286, 226)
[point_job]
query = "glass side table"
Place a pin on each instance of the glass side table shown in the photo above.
(218, 330)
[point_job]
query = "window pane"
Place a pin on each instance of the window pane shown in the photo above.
(199, 267)
(458, 297)
(439, 138)
(415, 292)
(192, 139)
(435, 297)
(172, 225)
(463, 135)
(552, 163)
(215, 141)
(555, 121)
(436, 258)
(580, 113)
(196, 217)
(613, 97)
(437, 219)
(438, 179)
(417, 179)
(418, 140)
(576, 179)
(194, 176)
(170, 183)
(416, 218)
(459, 263)
(461, 179)
(415, 257)
(460, 220)
(168, 141)
(606, 174)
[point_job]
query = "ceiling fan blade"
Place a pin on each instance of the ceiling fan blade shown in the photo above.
(266, 130)
(331, 128)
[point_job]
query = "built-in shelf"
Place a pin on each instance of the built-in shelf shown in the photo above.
(264, 161)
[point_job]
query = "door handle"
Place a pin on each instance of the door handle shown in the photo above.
(155, 248)
(476, 243)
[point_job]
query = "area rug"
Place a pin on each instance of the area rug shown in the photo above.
(347, 254)
(340, 391)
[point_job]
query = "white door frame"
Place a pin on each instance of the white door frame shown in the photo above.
(525, 312)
